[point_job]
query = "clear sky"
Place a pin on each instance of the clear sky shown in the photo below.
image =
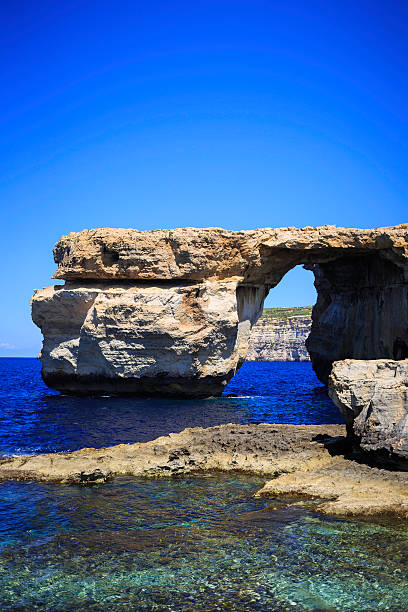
(216, 113)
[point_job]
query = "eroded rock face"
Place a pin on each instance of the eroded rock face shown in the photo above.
(169, 312)
(151, 339)
(373, 397)
(261, 256)
(361, 310)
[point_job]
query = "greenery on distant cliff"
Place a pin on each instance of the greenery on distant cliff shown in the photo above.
(284, 313)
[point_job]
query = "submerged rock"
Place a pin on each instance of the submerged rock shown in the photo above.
(169, 312)
(373, 398)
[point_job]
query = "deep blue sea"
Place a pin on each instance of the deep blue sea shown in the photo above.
(36, 419)
(188, 544)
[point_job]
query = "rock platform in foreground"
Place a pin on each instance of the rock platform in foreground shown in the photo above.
(301, 460)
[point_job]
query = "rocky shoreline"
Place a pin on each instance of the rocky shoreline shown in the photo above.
(312, 461)
(169, 313)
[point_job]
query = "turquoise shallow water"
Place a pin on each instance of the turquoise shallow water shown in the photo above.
(198, 543)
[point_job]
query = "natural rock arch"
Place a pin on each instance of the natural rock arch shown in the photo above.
(169, 312)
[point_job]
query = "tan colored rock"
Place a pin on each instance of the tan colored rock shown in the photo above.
(169, 312)
(260, 256)
(373, 398)
(264, 449)
(301, 459)
(346, 488)
(159, 339)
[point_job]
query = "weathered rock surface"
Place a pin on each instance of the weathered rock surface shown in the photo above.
(373, 397)
(301, 459)
(361, 311)
(279, 339)
(348, 488)
(259, 256)
(158, 339)
(169, 312)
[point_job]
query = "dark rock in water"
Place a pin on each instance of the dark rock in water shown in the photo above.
(373, 397)
(94, 476)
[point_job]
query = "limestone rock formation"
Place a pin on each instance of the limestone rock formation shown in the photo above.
(257, 257)
(361, 310)
(279, 338)
(169, 312)
(151, 339)
(373, 397)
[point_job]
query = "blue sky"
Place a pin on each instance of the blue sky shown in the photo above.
(170, 114)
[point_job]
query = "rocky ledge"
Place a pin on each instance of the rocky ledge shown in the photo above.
(170, 312)
(311, 461)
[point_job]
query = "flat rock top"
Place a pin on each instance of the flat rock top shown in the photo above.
(254, 256)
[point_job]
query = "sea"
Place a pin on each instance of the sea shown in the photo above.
(195, 543)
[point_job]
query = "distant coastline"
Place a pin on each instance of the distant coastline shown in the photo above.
(280, 335)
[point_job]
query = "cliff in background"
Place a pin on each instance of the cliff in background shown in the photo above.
(280, 335)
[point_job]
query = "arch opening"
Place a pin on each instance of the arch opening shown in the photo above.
(360, 312)
(282, 329)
